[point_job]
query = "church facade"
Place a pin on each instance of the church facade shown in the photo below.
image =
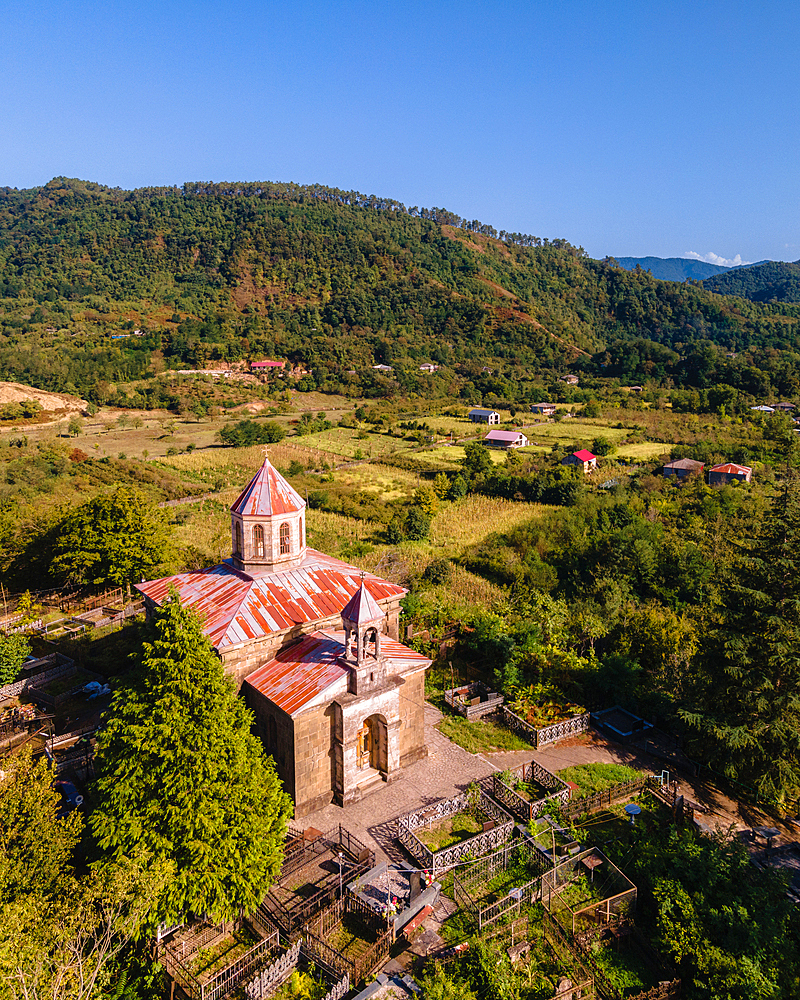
(312, 644)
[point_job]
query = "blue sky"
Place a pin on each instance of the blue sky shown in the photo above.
(626, 128)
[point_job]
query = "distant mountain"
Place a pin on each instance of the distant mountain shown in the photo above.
(673, 268)
(770, 280)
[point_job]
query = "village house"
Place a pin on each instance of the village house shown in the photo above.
(683, 468)
(718, 475)
(312, 644)
(763, 409)
(583, 457)
(428, 367)
(570, 379)
(545, 409)
(478, 416)
(505, 439)
(264, 366)
(382, 368)
(784, 407)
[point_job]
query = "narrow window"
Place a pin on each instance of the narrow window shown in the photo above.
(300, 533)
(285, 543)
(258, 541)
(238, 536)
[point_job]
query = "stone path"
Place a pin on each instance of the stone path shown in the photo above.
(449, 769)
(446, 770)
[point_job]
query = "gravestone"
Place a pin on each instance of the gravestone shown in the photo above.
(415, 881)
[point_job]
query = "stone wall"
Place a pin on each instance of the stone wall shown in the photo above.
(313, 783)
(276, 731)
(412, 715)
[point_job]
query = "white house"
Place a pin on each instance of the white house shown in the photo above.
(505, 439)
(546, 409)
(478, 416)
(583, 458)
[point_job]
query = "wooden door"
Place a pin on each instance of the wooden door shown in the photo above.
(364, 746)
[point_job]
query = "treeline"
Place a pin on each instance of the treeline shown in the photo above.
(337, 281)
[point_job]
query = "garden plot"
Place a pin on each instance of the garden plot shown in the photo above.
(587, 889)
(446, 832)
(497, 886)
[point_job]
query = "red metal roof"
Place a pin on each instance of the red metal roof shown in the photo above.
(362, 608)
(585, 456)
(237, 606)
(304, 670)
(268, 493)
(732, 469)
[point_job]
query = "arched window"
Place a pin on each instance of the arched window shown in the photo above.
(237, 532)
(258, 542)
(286, 545)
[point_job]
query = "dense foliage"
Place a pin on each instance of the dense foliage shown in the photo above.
(98, 284)
(773, 281)
(182, 776)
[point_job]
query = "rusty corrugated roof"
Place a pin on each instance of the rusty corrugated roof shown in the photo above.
(268, 493)
(237, 606)
(304, 670)
(362, 607)
(732, 469)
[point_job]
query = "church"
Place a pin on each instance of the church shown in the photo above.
(313, 646)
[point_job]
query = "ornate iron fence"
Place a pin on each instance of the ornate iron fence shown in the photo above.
(471, 885)
(323, 925)
(519, 805)
(273, 975)
(547, 734)
(502, 825)
(473, 701)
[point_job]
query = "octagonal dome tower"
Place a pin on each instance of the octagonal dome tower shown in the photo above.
(268, 525)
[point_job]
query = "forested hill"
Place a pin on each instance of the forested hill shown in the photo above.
(672, 268)
(334, 280)
(774, 280)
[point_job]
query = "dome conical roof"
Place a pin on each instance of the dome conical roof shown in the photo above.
(362, 608)
(267, 493)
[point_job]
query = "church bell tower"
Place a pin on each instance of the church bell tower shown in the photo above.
(268, 524)
(362, 620)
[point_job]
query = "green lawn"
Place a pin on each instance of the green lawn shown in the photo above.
(450, 830)
(480, 737)
(591, 778)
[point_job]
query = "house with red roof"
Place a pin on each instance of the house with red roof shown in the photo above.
(581, 458)
(313, 646)
(719, 475)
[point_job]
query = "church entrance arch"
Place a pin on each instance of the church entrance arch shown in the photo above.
(373, 748)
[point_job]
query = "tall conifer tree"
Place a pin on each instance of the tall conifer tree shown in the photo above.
(748, 688)
(183, 778)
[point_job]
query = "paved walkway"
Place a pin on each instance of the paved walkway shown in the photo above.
(449, 769)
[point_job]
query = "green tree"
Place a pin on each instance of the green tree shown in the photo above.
(458, 488)
(35, 846)
(13, 650)
(182, 775)
(59, 933)
(417, 524)
(476, 462)
(117, 538)
(747, 699)
(75, 426)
